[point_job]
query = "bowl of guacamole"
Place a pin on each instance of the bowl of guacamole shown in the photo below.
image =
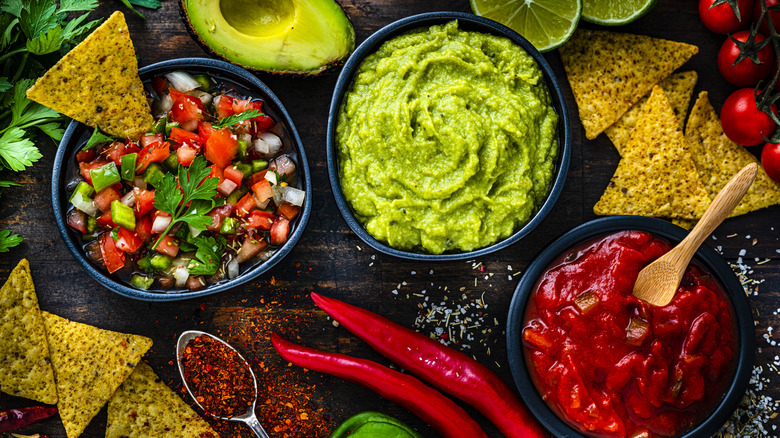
(447, 138)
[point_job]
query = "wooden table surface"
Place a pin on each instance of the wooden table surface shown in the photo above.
(331, 260)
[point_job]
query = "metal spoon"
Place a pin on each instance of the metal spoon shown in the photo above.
(249, 418)
(658, 282)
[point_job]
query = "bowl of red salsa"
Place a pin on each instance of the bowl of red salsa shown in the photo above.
(590, 359)
(217, 192)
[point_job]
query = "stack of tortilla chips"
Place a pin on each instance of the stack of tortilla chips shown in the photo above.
(80, 368)
(624, 87)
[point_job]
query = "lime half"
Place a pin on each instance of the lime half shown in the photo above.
(615, 12)
(547, 24)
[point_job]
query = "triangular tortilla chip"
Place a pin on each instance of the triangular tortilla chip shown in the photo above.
(678, 88)
(25, 365)
(608, 72)
(89, 365)
(718, 159)
(145, 407)
(97, 83)
(656, 176)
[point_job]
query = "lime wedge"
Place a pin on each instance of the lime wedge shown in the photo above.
(547, 24)
(615, 12)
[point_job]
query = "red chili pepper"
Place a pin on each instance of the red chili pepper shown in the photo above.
(449, 419)
(446, 369)
(15, 418)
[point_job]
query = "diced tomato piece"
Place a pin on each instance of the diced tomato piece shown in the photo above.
(168, 246)
(257, 177)
(86, 167)
(148, 139)
(185, 137)
(245, 205)
(159, 85)
(116, 149)
(86, 156)
(113, 258)
(186, 155)
(218, 215)
(233, 174)
(260, 219)
(105, 220)
(221, 147)
(225, 106)
(104, 198)
(279, 231)
(205, 130)
(144, 201)
(154, 152)
(239, 106)
(77, 220)
(217, 172)
(128, 241)
(263, 123)
(251, 247)
(186, 108)
(288, 210)
(143, 226)
(263, 190)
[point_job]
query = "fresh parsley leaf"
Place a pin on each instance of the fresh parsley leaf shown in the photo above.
(8, 240)
(4, 85)
(17, 152)
(74, 32)
(13, 7)
(48, 42)
(53, 130)
(26, 113)
(235, 118)
(115, 234)
(192, 201)
(129, 6)
(149, 4)
(208, 257)
(37, 16)
(97, 138)
(5, 183)
(77, 5)
(8, 22)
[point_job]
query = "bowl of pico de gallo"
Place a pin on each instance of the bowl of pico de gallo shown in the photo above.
(215, 195)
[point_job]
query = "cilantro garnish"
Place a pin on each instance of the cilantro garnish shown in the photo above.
(235, 118)
(191, 202)
(8, 240)
(207, 258)
(97, 138)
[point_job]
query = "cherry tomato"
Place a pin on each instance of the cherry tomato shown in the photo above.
(721, 18)
(770, 159)
(747, 73)
(764, 28)
(742, 122)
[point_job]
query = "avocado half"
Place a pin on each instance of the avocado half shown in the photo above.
(303, 37)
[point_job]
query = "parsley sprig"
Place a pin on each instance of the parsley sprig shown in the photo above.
(190, 199)
(236, 118)
(207, 257)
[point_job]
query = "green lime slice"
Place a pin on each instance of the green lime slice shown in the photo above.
(615, 12)
(547, 24)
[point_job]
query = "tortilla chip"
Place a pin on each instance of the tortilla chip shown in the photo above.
(678, 88)
(25, 365)
(608, 72)
(656, 176)
(97, 83)
(89, 365)
(688, 224)
(145, 407)
(718, 159)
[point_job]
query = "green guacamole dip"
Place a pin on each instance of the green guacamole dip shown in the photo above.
(446, 140)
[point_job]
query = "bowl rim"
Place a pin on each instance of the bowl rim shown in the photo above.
(481, 24)
(258, 89)
(706, 256)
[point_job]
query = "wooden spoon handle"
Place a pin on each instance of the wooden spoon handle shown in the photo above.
(723, 204)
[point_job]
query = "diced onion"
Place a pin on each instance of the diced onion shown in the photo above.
(293, 196)
(181, 274)
(271, 177)
(261, 205)
(247, 138)
(278, 193)
(161, 223)
(166, 103)
(205, 98)
(283, 165)
(84, 204)
(261, 146)
(232, 269)
(194, 232)
(139, 182)
(273, 142)
(128, 199)
(182, 81)
(226, 187)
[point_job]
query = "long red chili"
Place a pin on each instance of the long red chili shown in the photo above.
(445, 368)
(449, 419)
(15, 418)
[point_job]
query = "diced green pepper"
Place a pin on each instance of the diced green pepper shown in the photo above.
(87, 237)
(85, 189)
(229, 225)
(92, 225)
(141, 281)
(204, 81)
(244, 168)
(122, 215)
(172, 163)
(159, 126)
(236, 195)
(145, 262)
(259, 165)
(169, 126)
(127, 169)
(242, 153)
(104, 176)
(154, 174)
(160, 262)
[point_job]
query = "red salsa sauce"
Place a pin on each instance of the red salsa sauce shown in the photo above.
(615, 366)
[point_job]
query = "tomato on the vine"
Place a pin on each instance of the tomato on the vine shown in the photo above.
(770, 159)
(746, 73)
(721, 18)
(775, 16)
(743, 122)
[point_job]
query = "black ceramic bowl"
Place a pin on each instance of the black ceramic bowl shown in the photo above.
(76, 134)
(467, 22)
(705, 256)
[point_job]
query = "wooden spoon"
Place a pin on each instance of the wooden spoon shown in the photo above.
(657, 282)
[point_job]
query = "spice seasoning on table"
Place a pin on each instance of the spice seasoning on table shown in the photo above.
(218, 377)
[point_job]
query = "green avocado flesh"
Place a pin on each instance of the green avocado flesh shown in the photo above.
(279, 36)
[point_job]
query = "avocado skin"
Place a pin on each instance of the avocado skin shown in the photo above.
(322, 70)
